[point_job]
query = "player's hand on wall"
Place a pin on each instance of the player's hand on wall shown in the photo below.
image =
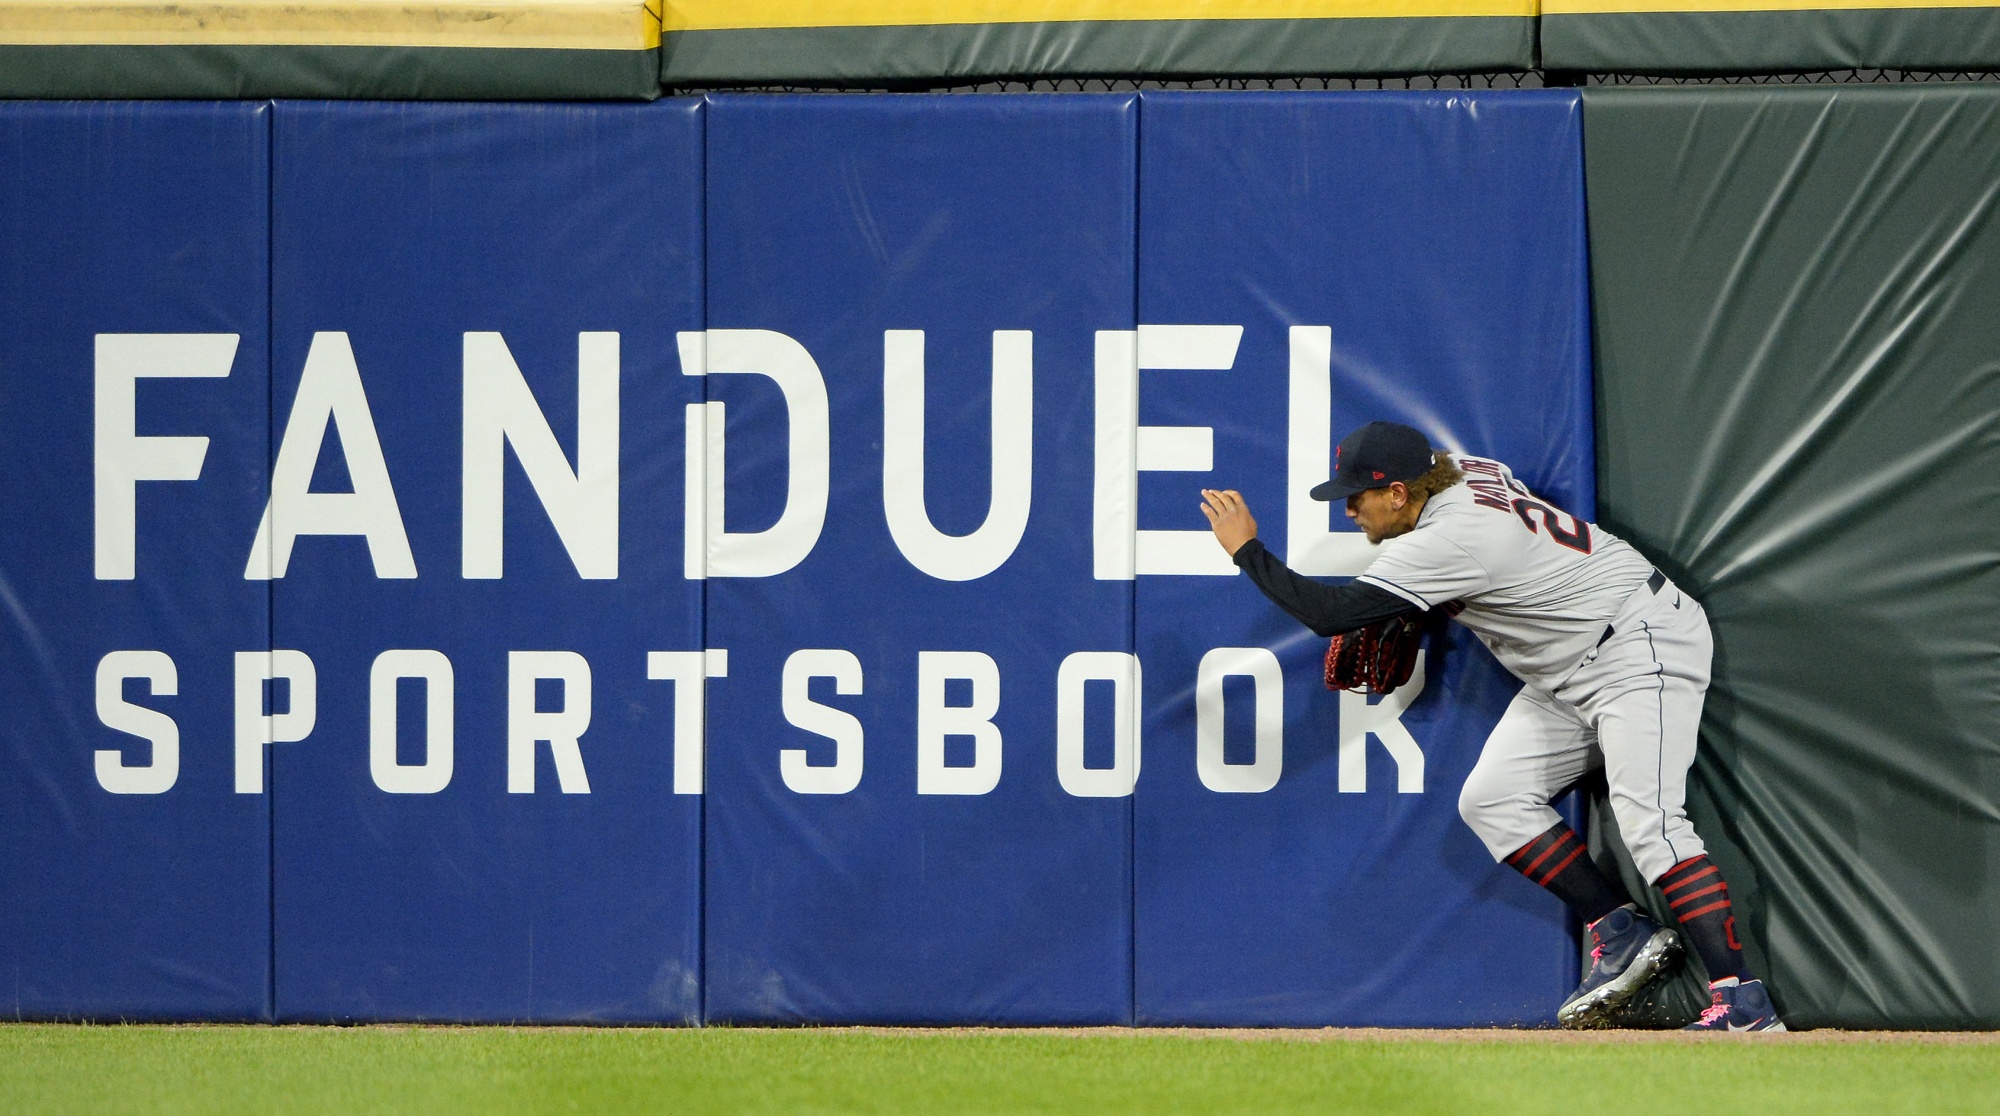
(1229, 517)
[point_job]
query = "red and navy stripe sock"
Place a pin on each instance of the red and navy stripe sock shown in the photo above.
(1558, 861)
(1699, 898)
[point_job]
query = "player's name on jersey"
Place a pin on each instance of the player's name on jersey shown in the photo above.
(146, 758)
(330, 411)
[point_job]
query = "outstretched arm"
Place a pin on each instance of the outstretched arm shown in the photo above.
(1326, 609)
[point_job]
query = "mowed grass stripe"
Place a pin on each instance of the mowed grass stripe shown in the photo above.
(438, 1070)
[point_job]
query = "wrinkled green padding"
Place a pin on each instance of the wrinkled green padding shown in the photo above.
(859, 55)
(1951, 39)
(408, 73)
(1797, 309)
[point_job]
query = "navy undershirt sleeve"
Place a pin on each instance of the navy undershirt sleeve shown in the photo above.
(1327, 609)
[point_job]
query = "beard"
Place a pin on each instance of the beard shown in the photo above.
(1378, 536)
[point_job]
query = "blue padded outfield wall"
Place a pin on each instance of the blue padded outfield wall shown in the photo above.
(993, 238)
(134, 279)
(1418, 258)
(739, 559)
(539, 260)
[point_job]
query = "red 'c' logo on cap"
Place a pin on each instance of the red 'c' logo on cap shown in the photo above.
(1378, 474)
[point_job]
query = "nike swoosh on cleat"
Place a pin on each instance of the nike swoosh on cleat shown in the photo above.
(1747, 1026)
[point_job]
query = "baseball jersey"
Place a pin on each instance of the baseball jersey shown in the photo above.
(1538, 585)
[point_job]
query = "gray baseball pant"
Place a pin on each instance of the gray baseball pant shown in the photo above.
(1633, 705)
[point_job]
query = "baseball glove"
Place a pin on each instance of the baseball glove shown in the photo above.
(1377, 658)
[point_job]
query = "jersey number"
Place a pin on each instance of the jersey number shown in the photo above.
(1576, 536)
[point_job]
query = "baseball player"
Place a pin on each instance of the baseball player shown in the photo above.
(1614, 660)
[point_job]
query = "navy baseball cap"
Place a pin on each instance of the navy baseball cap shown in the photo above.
(1376, 456)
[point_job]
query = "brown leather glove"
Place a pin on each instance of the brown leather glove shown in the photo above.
(1377, 658)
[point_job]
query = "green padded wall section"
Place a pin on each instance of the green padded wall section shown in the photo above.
(1192, 47)
(1764, 36)
(1797, 311)
(335, 72)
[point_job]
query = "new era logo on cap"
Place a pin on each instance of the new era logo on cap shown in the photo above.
(1384, 452)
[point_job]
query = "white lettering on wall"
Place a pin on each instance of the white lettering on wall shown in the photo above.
(787, 542)
(1181, 449)
(957, 557)
(689, 672)
(330, 392)
(936, 720)
(1361, 718)
(256, 728)
(151, 725)
(562, 727)
(121, 457)
(1084, 678)
(1122, 671)
(1268, 698)
(434, 670)
(1312, 546)
(500, 411)
(693, 350)
(1114, 515)
(837, 725)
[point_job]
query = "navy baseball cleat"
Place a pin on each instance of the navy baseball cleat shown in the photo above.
(1627, 951)
(1735, 1006)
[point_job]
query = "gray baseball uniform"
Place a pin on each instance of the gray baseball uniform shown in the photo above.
(1615, 660)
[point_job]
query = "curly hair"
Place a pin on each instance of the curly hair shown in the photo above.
(1443, 473)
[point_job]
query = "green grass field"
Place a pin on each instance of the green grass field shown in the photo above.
(440, 1070)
